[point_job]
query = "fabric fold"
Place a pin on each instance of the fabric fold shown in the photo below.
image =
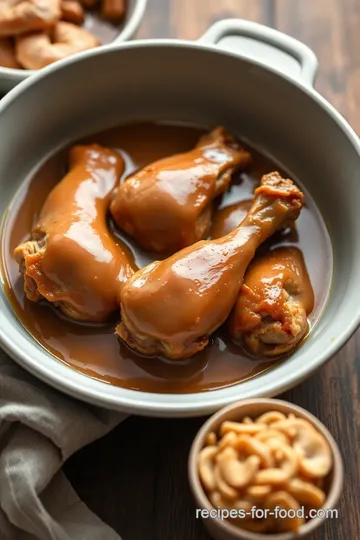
(39, 429)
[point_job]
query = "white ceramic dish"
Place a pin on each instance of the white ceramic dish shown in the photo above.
(135, 12)
(210, 82)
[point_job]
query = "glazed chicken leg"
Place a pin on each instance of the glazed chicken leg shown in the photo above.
(71, 259)
(167, 205)
(173, 306)
(274, 301)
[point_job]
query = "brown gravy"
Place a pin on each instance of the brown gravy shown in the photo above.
(94, 349)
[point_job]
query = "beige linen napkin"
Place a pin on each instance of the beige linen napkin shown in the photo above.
(39, 429)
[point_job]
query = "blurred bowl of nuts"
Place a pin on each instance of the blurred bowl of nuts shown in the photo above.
(37, 33)
(264, 468)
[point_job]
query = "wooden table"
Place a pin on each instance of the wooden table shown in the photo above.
(135, 478)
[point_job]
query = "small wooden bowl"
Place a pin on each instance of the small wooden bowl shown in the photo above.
(224, 529)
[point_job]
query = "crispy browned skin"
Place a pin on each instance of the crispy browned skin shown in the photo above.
(173, 306)
(113, 9)
(19, 16)
(71, 259)
(39, 49)
(167, 205)
(72, 11)
(275, 299)
(228, 218)
(7, 54)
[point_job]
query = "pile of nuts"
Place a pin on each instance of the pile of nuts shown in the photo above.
(273, 461)
(36, 33)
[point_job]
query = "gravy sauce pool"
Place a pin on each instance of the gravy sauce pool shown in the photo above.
(94, 349)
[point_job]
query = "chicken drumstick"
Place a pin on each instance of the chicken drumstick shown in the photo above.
(167, 205)
(71, 259)
(274, 301)
(171, 307)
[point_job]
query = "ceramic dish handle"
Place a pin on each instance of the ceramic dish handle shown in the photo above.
(265, 45)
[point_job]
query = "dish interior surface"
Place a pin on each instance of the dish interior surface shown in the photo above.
(94, 349)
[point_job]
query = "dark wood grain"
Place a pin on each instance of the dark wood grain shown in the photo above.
(135, 478)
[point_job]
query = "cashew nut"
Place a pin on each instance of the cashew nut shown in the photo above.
(271, 476)
(250, 445)
(225, 489)
(318, 482)
(240, 428)
(316, 457)
(285, 456)
(313, 450)
(229, 439)
(211, 439)
(287, 502)
(291, 426)
(257, 494)
(236, 473)
(206, 467)
(256, 525)
(265, 436)
(217, 499)
(287, 460)
(306, 493)
(270, 417)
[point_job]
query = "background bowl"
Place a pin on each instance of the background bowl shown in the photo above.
(225, 530)
(134, 14)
